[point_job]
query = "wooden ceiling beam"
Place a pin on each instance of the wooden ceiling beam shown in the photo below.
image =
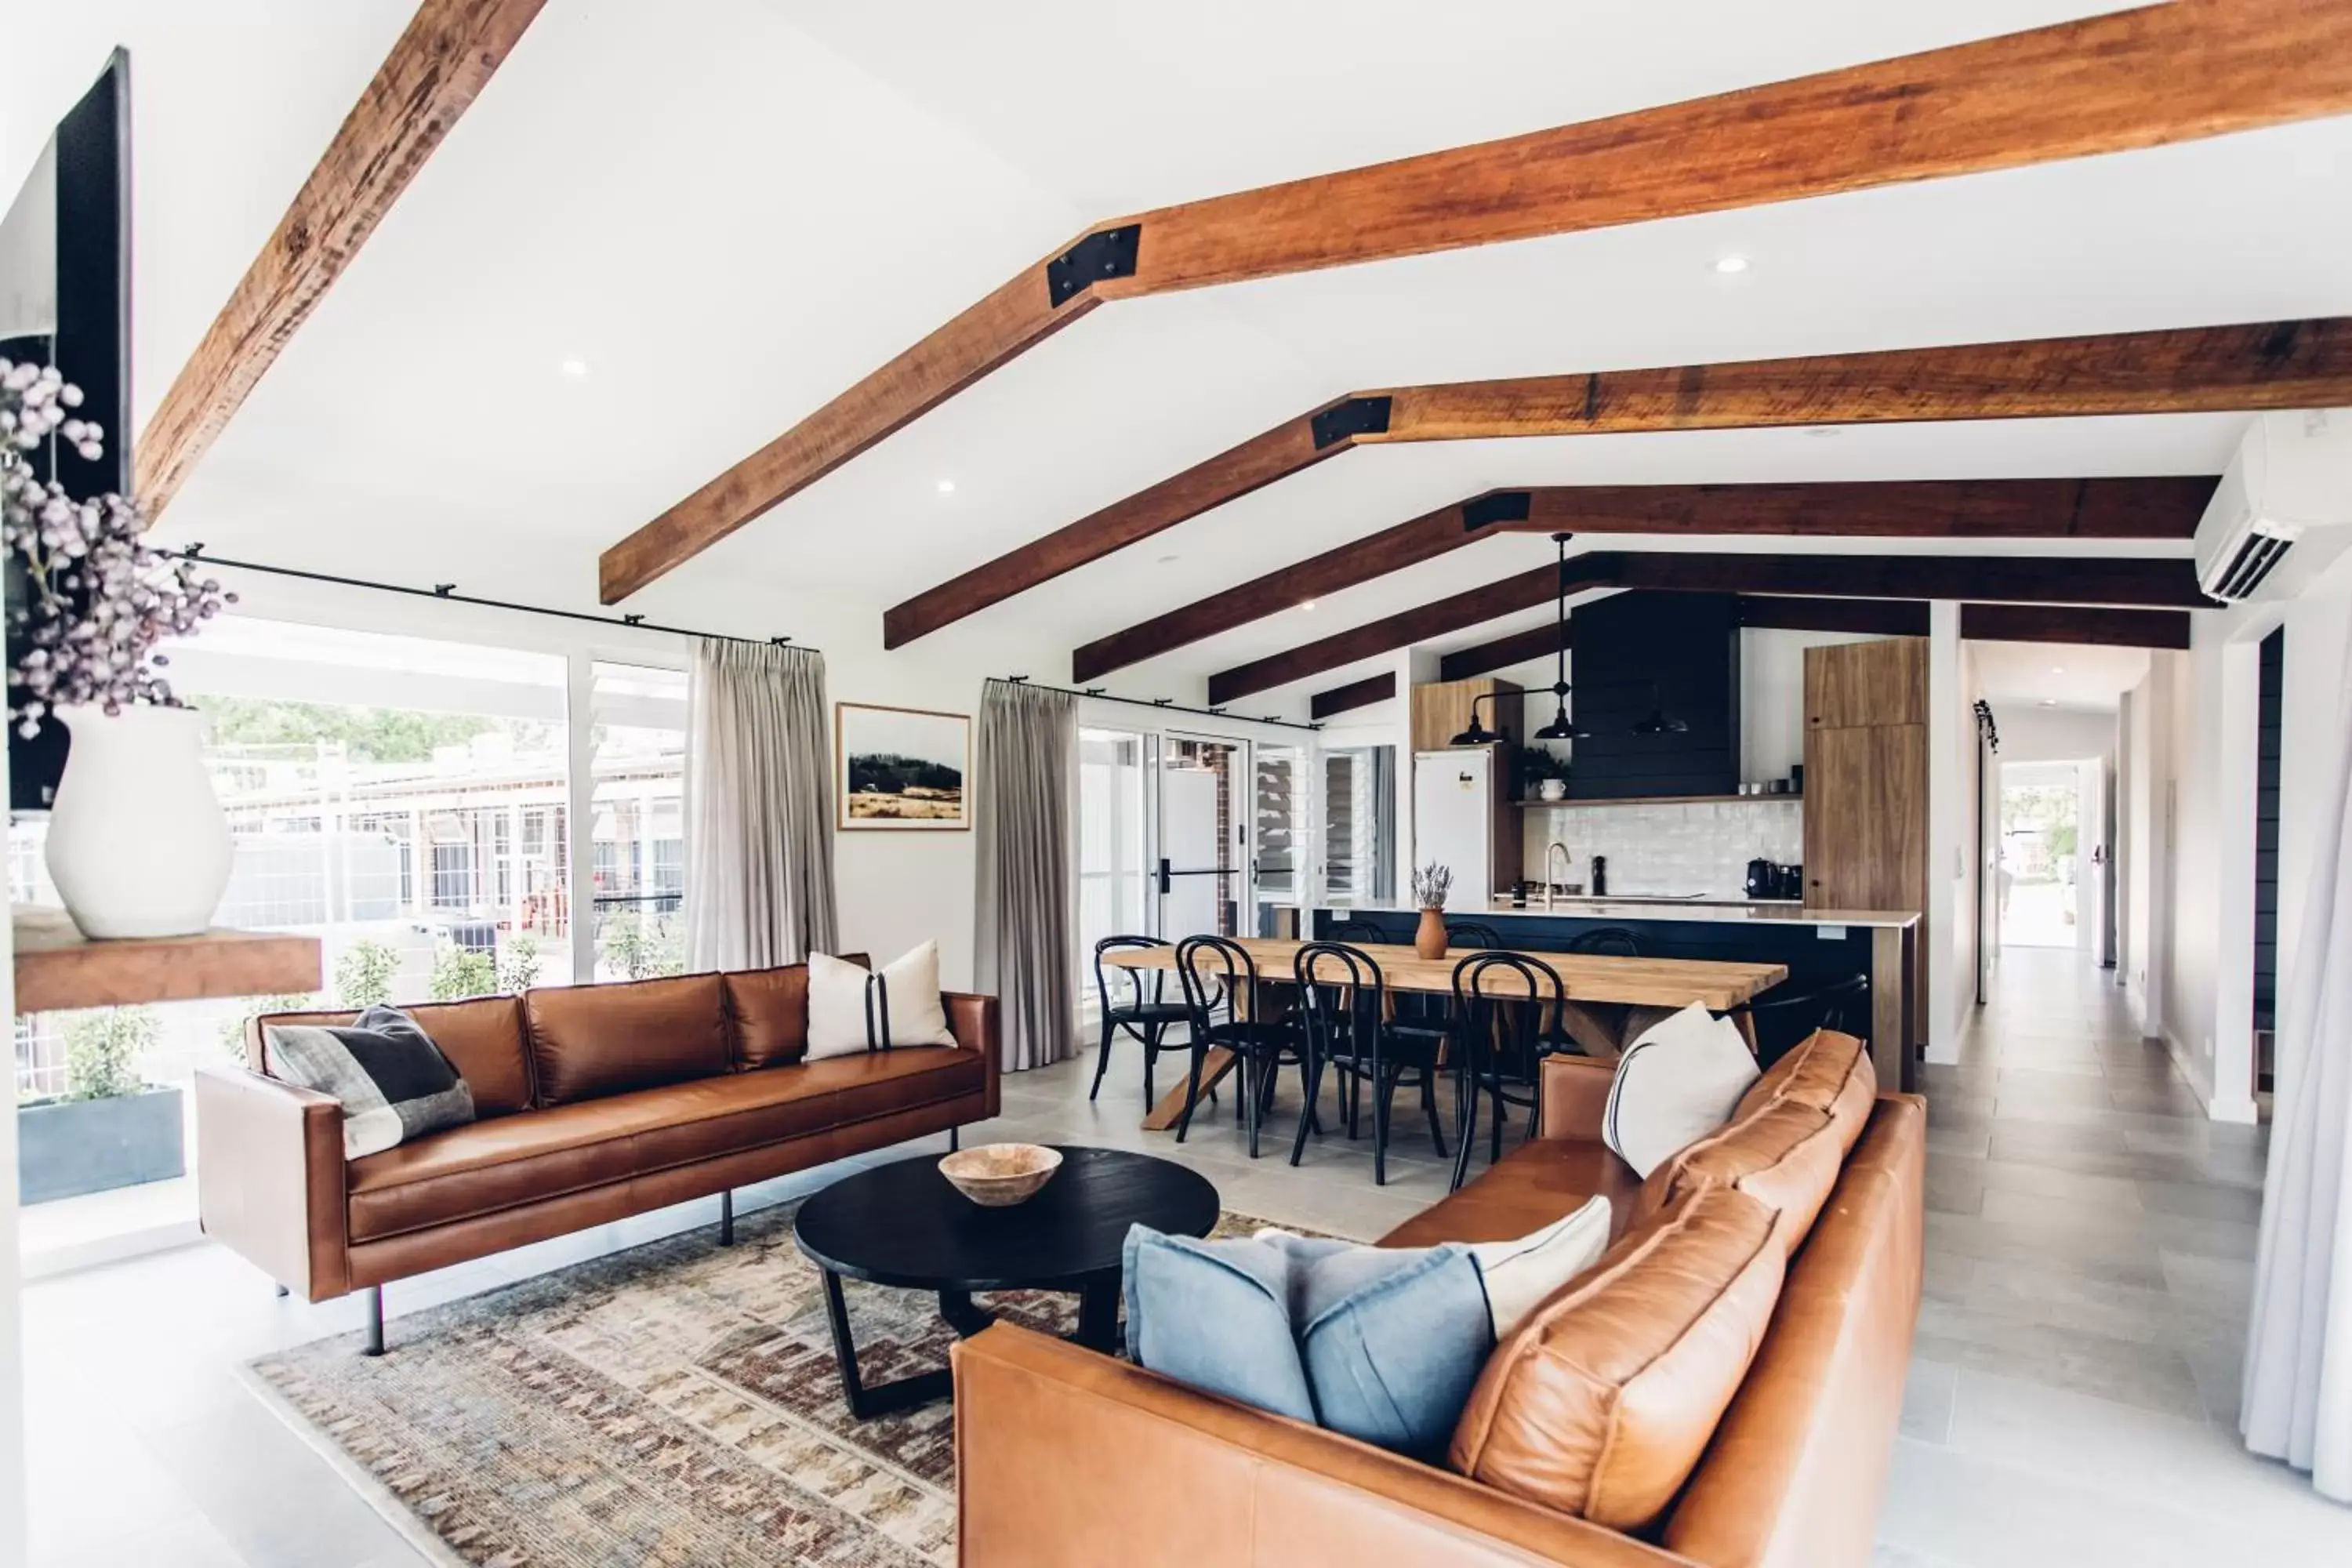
(2160, 507)
(2012, 579)
(2195, 370)
(1869, 617)
(2093, 625)
(1354, 695)
(437, 67)
(2135, 79)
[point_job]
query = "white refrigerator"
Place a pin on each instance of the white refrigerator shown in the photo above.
(1454, 812)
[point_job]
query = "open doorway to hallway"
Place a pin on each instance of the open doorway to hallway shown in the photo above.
(2042, 860)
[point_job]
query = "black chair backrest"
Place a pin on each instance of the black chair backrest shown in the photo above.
(1479, 986)
(1605, 942)
(1342, 997)
(1210, 969)
(1830, 1001)
(1355, 931)
(1138, 978)
(1471, 933)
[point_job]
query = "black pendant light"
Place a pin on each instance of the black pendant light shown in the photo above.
(1477, 735)
(1658, 721)
(1562, 727)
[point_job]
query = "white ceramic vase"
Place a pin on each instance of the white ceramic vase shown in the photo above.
(138, 844)
(1553, 789)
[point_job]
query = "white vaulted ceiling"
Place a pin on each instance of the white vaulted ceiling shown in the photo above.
(729, 210)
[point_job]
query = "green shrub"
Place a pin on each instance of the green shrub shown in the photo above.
(231, 1031)
(461, 971)
(517, 966)
(103, 1045)
(365, 973)
(643, 947)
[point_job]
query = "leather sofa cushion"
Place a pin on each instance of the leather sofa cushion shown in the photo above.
(479, 1169)
(483, 1039)
(592, 1040)
(1602, 1402)
(1527, 1189)
(1820, 1070)
(769, 1008)
(1786, 1155)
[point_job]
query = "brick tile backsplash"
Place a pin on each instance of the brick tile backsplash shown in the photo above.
(1670, 849)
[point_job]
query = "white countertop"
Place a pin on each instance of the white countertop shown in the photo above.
(1636, 906)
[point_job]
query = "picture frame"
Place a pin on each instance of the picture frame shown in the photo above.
(900, 770)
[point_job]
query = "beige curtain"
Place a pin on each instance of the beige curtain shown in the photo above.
(1026, 918)
(759, 806)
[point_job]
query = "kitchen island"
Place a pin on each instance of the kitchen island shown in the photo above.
(1819, 947)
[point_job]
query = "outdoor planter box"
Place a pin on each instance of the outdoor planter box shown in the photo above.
(66, 1148)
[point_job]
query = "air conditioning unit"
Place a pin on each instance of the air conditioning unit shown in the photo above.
(2283, 512)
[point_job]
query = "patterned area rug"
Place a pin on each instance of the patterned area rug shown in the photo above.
(674, 1405)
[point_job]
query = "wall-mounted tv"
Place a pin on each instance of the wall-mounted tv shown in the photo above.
(65, 299)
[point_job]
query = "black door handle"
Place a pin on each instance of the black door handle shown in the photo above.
(1163, 876)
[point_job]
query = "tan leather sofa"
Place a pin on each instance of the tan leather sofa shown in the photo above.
(1066, 1459)
(595, 1102)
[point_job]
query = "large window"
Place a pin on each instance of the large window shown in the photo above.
(410, 801)
(1112, 881)
(1281, 821)
(638, 851)
(1360, 826)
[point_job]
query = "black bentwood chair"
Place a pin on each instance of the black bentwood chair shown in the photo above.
(1216, 972)
(1500, 1041)
(1823, 1007)
(1146, 1012)
(1471, 933)
(1343, 1017)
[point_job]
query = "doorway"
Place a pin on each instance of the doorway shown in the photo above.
(2038, 867)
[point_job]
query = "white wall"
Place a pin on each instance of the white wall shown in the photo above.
(1952, 808)
(2036, 734)
(1773, 697)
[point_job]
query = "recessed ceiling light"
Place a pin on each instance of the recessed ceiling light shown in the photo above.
(1170, 560)
(1728, 264)
(2057, 669)
(947, 487)
(2050, 702)
(1308, 605)
(1823, 430)
(575, 367)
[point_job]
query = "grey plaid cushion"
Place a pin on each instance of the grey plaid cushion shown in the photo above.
(393, 1081)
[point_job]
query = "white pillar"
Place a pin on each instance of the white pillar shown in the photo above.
(1948, 823)
(2239, 732)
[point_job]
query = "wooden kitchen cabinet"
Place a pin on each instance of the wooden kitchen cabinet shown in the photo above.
(1441, 710)
(1867, 786)
(1880, 682)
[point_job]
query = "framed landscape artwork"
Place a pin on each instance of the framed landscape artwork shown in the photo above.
(902, 769)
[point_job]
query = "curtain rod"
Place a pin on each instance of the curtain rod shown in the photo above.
(447, 594)
(1165, 704)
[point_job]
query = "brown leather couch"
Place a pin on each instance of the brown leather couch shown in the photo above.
(594, 1101)
(1066, 1457)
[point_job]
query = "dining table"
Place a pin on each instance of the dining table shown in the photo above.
(1647, 988)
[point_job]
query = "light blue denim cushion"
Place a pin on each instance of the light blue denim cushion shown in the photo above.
(1384, 1344)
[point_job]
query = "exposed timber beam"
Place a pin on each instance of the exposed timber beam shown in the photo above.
(2080, 625)
(2158, 508)
(2135, 79)
(2194, 369)
(1354, 695)
(2012, 579)
(437, 67)
(2075, 624)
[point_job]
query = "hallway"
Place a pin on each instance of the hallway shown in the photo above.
(2074, 1391)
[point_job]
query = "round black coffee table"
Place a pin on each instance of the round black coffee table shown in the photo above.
(903, 1225)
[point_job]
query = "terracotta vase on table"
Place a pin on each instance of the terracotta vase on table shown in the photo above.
(1429, 937)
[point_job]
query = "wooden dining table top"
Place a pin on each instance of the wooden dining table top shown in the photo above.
(1585, 977)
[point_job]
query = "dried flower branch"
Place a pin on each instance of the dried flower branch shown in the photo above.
(1430, 885)
(98, 597)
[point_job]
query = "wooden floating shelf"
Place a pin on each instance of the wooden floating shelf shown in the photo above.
(1655, 800)
(59, 968)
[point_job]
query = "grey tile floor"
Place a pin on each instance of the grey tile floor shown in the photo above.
(2072, 1400)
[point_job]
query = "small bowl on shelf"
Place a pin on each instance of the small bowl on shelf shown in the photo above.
(998, 1175)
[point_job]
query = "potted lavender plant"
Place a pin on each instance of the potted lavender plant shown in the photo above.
(1430, 886)
(137, 843)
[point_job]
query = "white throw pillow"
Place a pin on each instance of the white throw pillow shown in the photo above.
(1680, 1081)
(905, 1010)
(1522, 1275)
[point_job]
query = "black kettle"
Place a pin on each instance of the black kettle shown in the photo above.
(1763, 879)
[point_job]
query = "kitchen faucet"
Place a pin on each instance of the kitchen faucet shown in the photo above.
(1555, 848)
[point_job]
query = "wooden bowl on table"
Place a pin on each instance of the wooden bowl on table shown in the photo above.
(997, 1175)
